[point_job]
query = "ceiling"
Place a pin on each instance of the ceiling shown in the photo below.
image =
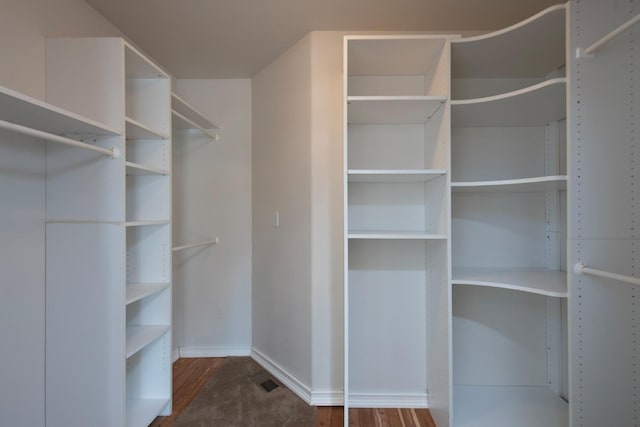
(237, 38)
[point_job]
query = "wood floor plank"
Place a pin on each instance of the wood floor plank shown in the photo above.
(337, 416)
(354, 418)
(424, 416)
(395, 418)
(324, 416)
(367, 417)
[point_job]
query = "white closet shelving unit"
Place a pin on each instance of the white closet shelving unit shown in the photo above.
(109, 241)
(79, 168)
(187, 121)
(604, 65)
(396, 237)
(509, 180)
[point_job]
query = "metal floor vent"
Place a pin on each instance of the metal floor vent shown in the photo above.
(265, 382)
(268, 385)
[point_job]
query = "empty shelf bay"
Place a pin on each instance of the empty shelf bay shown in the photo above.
(140, 336)
(138, 291)
(535, 105)
(30, 112)
(193, 116)
(501, 53)
(137, 130)
(393, 109)
(522, 406)
(534, 280)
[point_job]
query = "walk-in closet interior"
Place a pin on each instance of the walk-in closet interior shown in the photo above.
(404, 215)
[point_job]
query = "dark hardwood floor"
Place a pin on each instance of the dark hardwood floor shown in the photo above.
(190, 375)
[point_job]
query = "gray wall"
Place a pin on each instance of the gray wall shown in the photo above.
(282, 182)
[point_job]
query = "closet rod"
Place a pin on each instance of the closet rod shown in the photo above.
(193, 245)
(597, 45)
(580, 268)
(113, 152)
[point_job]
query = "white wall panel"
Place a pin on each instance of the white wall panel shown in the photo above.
(281, 183)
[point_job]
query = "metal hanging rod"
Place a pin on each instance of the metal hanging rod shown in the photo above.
(193, 245)
(112, 152)
(590, 51)
(580, 268)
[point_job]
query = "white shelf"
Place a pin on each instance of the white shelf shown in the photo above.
(535, 105)
(136, 130)
(196, 244)
(138, 169)
(138, 337)
(181, 122)
(138, 66)
(395, 235)
(502, 406)
(531, 48)
(191, 114)
(534, 280)
(393, 109)
(142, 412)
(145, 223)
(35, 114)
(138, 291)
(394, 175)
(524, 185)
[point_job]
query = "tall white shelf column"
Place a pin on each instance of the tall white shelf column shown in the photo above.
(396, 186)
(190, 125)
(120, 299)
(72, 310)
(509, 181)
(603, 233)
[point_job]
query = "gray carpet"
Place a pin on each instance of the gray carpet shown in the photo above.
(233, 398)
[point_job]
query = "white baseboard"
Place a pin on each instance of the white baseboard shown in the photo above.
(294, 384)
(224, 351)
(175, 355)
(377, 400)
(327, 398)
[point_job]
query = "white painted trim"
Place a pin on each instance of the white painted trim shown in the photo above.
(293, 383)
(175, 355)
(222, 351)
(327, 398)
(379, 400)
